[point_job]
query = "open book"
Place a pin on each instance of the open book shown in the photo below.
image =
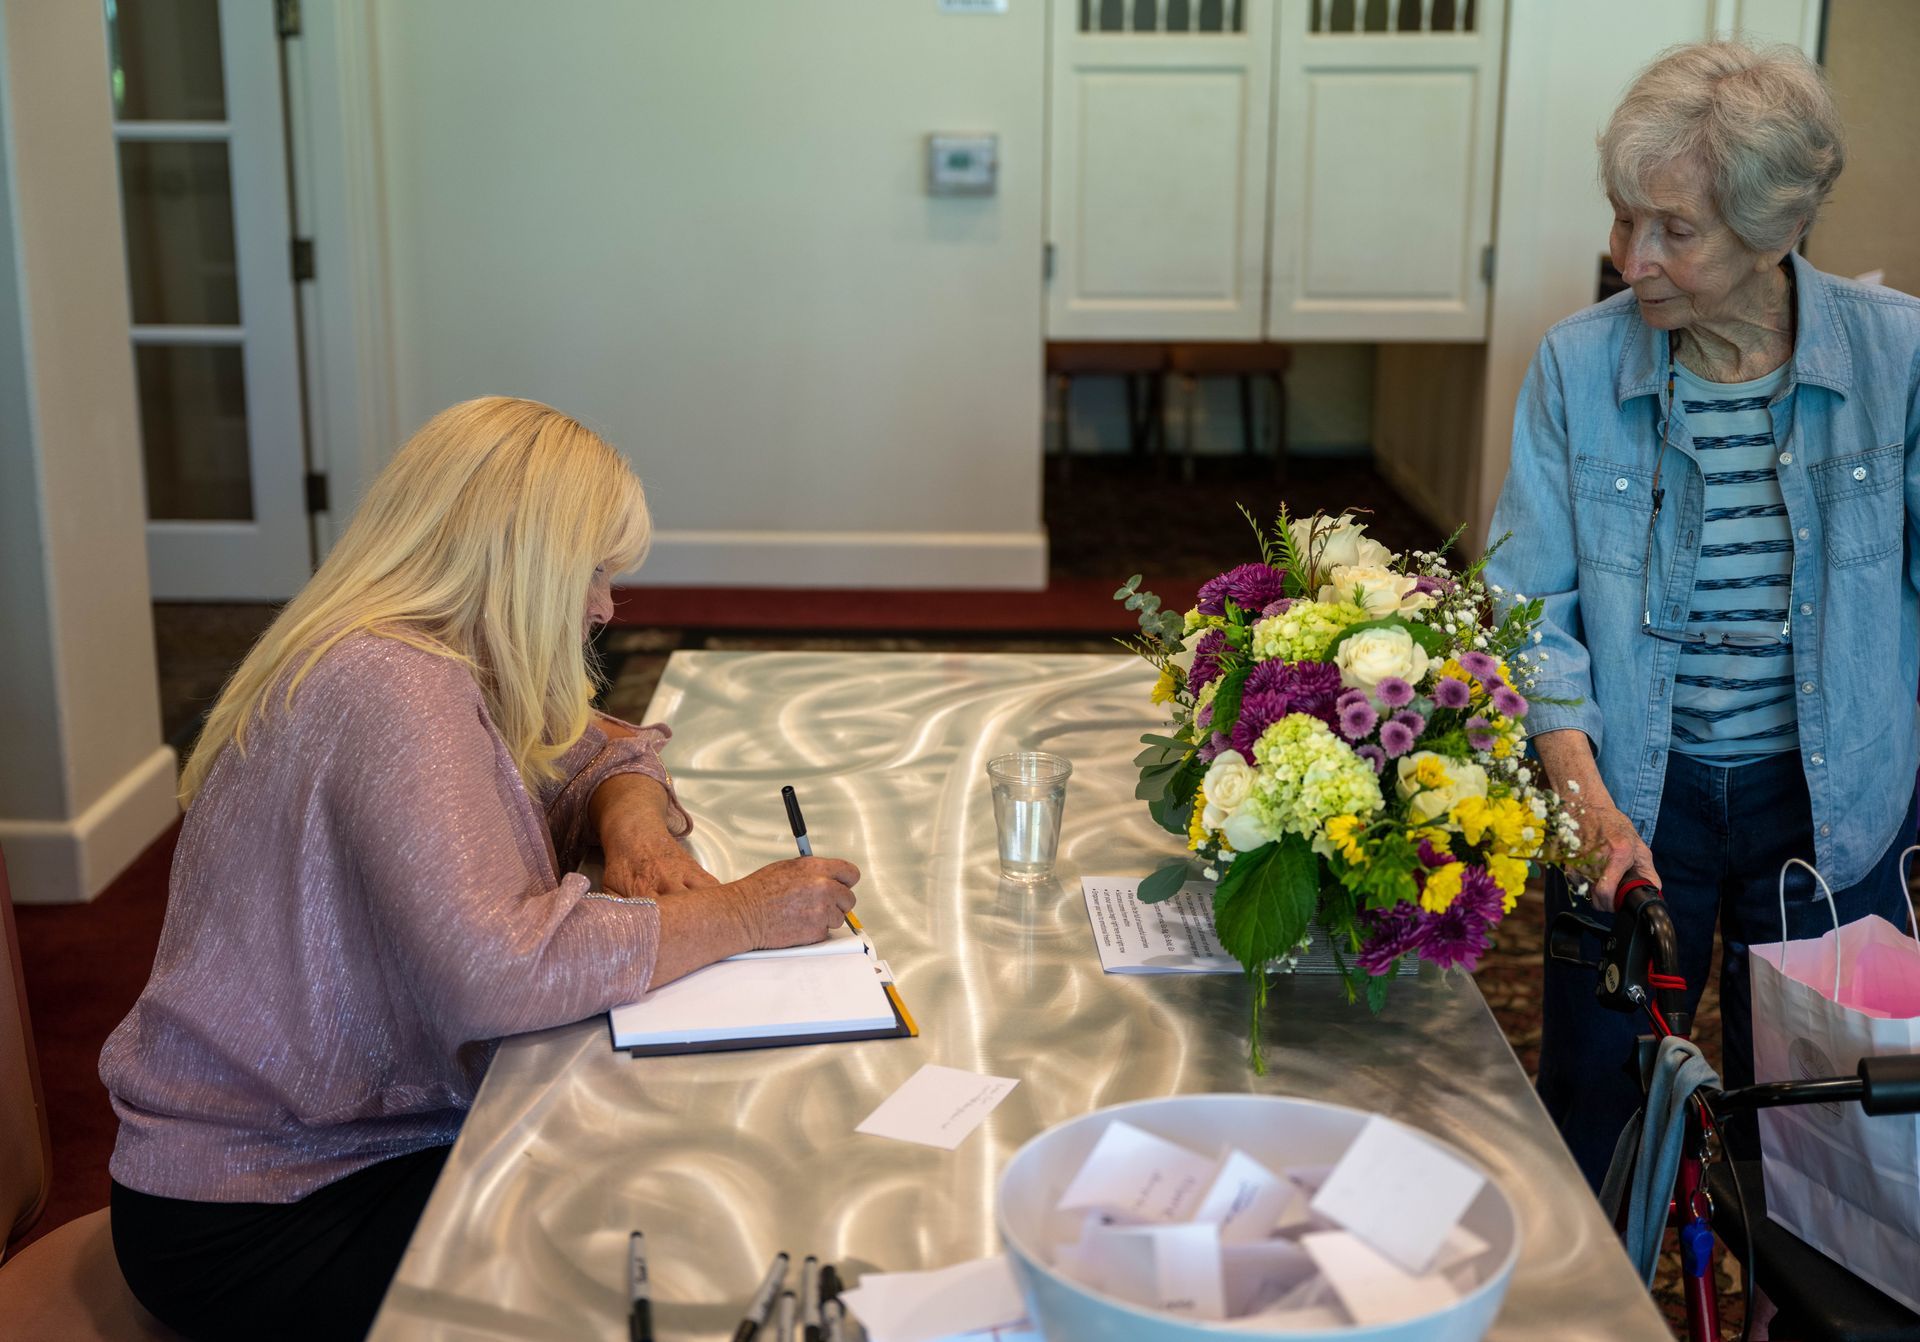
(835, 989)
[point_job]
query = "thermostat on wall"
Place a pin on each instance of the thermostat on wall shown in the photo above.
(962, 165)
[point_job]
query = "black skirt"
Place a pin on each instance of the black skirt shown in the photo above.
(312, 1269)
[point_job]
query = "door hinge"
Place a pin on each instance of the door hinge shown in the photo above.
(1486, 264)
(286, 17)
(1046, 263)
(316, 492)
(302, 259)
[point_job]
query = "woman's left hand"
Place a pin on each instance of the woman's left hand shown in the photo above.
(656, 867)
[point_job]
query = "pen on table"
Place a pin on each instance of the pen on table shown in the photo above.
(787, 1312)
(639, 1293)
(810, 1299)
(762, 1302)
(799, 824)
(829, 1284)
(833, 1318)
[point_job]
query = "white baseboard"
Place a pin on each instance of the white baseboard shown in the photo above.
(71, 861)
(989, 560)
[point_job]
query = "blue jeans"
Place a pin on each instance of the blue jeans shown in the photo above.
(1719, 843)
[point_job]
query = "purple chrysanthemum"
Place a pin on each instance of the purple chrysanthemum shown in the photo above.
(1357, 717)
(1388, 934)
(1216, 743)
(1431, 856)
(1431, 586)
(1452, 692)
(1394, 692)
(1480, 733)
(1276, 607)
(1373, 755)
(1276, 689)
(1509, 702)
(1480, 665)
(1250, 587)
(1456, 938)
(1206, 660)
(1411, 720)
(1481, 895)
(1396, 739)
(1204, 715)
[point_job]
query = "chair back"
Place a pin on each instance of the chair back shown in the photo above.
(26, 1150)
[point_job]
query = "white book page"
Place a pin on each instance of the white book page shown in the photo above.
(762, 999)
(1175, 936)
(843, 940)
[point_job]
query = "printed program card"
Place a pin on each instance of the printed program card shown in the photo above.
(937, 1106)
(1175, 936)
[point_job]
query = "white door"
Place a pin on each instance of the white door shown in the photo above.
(197, 113)
(1156, 195)
(1385, 133)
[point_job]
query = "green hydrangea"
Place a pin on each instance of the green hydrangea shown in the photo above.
(1307, 775)
(1302, 633)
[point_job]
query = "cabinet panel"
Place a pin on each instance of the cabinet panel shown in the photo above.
(1156, 178)
(1383, 171)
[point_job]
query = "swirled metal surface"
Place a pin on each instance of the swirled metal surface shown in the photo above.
(724, 1159)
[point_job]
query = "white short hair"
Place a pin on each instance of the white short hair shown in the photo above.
(1758, 120)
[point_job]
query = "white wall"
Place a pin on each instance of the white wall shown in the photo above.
(703, 229)
(1567, 65)
(85, 783)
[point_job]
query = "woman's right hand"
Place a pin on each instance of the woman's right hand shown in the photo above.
(1614, 849)
(794, 902)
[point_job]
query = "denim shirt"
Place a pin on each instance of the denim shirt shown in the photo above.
(1578, 500)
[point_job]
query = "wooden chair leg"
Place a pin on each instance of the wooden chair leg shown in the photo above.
(1063, 396)
(1247, 445)
(1279, 428)
(1193, 426)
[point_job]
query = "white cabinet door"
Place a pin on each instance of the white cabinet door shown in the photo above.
(1156, 184)
(1384, 143)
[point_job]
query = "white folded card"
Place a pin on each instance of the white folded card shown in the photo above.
(965, 1299)
(1371, 1286)
(1134, 1174)
(937, 1106)
(1401, 1195)
(735, 1001)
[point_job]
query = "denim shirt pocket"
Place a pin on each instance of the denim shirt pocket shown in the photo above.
(1612, 509)
(1863, 510)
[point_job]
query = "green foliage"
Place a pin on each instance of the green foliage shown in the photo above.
(1265, 902)
(1159, 762)
(1387, 878)
(1166, 627)
(1292, 560)
(1173, 810)
(1170, 771)
(1377, 988)
(1165, 883)
(1226, 699)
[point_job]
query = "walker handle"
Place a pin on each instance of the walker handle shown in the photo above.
(1890, 1084)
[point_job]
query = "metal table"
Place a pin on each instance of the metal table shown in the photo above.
(725, 1158)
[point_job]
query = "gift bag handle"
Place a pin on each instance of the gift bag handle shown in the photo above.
(1913, 919)
(1785, 943)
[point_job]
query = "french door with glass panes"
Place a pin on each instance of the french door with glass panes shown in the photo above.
(200, 125)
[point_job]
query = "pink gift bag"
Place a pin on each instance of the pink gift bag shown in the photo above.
(1845, 1182)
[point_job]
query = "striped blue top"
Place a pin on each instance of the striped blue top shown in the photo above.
(1733, 700)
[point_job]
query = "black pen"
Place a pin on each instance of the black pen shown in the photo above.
(798, 821)
(833, 1316)
(762, 1302)
(639, 1294)
(829, 1284)
(810, 1299)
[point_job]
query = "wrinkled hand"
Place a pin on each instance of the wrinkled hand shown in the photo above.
(795, 902)
(1614, 849)
(661, 867)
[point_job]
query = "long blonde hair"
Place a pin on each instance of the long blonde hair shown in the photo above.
(478, 542)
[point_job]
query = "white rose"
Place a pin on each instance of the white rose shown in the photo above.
(1378, 591)
(1430, 803)
(1342, 543)
(1229, 779)
(1370, 656)
(1245, 832)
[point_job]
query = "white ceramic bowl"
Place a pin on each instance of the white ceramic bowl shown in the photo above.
(1275, 1130)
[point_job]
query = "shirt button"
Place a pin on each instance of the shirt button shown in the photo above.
(1802, 533)
(1859, 472)
(1620, 483)
(1816, 759)
(1786, 458)
(1825, 830)
(1806, 687)
(1806, 608)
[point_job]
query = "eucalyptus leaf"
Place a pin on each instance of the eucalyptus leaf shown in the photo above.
(1165, 883)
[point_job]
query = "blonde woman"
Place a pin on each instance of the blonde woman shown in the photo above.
(370, 887)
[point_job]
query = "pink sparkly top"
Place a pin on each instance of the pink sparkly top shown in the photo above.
(361, 905)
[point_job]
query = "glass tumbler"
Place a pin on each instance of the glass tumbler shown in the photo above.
(1029, 793)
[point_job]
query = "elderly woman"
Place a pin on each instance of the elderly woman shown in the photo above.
(1714, 490)
(375, 880)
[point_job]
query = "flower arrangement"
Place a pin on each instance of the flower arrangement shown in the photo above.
(1347, 751)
